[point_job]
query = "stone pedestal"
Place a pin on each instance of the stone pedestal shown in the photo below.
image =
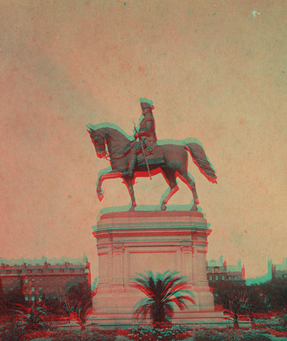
(135, 242)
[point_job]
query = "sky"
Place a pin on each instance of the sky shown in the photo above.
(215, 70)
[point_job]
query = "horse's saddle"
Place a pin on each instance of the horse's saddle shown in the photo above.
(154, 157)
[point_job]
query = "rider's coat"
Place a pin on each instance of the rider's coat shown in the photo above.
(148, 134)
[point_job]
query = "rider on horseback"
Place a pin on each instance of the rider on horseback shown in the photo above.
(146, 134)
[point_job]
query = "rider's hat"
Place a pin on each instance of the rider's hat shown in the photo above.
(146, 103)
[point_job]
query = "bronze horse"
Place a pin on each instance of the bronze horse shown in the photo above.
(173, 162)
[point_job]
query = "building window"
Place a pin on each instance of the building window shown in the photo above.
(19, 272)
(26, 298)
(33, 289)
(216, 270)
(72, 270)
(8, 272)
(29, 271)
(229, 277)
(40, 288)
(210, 278)
(50, 271)
(235, 277)
(222, 278)
(26, 280)
(33, 298)
(61, 270)
(40, 270)
(216, 278)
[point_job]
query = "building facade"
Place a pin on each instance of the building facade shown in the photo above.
(36, 280)
(218, 270)
(279, 270)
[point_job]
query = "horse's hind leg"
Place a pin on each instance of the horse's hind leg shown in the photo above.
(184, 176)
(129, 183)
(171, 180)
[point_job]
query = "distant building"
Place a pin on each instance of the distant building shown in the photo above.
(263, 278)
(36, 280)
(279, 270)
(218, 270)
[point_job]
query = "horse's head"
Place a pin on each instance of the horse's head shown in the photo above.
(98, 141)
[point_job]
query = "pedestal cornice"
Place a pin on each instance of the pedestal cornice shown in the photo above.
(146, 220)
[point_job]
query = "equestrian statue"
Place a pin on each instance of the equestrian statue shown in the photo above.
(144, 156)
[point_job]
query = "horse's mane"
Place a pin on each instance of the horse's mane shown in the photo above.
(113, 130)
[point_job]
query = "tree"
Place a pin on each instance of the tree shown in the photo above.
(78, 302)
(78, 295)
(162, 293)
(233, 299)
(94, 284)
(257, 302)
(9, 299)
(276, 292)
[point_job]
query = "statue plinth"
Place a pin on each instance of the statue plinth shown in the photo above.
(134, 242)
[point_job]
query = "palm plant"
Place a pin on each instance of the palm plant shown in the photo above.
(163, 292)
(31, 318)
(83, 314)
(238, 304)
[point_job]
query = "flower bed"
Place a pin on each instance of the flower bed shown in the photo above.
(37, 334)
(276, 332)
(174, 333)
(177, 332)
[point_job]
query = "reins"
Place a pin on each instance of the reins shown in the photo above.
(119, 151)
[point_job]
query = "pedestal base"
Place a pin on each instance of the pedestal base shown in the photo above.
(135, 242)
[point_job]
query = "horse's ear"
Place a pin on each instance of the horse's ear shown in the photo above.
(90, 130)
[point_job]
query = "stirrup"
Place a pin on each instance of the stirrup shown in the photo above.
(129, 173)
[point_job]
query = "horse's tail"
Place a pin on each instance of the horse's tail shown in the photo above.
(200, 159)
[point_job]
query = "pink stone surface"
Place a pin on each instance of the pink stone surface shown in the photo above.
(135, 242)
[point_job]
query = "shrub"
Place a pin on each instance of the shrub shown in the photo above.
(208, 335)
(87, 335)
(12, 333)
(149, 333)
(122, 338)
(229, 335)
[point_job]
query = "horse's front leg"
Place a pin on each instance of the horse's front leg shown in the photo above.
(100, 193)
(110, 174)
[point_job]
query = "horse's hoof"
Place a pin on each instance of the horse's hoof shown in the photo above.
(163, 207)
(100, 196)
(132, 208)
(194, 207)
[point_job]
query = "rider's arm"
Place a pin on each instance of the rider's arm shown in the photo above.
(146, 127)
